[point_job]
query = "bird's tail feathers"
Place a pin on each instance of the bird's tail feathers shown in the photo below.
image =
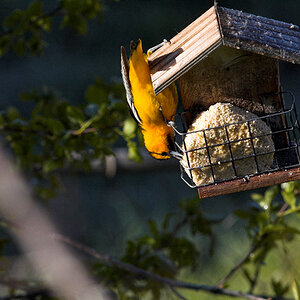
(138, 62)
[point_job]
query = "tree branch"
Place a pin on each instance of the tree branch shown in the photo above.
(240, 263)
(255, 278)
(30, 295)
(144, 273)
(177, 293)
(17, 284)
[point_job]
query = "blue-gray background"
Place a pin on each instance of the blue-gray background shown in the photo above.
(103, 212)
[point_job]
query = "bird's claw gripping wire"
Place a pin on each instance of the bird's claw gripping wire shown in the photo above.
(171, 123)
(151, 50)
(176, 155)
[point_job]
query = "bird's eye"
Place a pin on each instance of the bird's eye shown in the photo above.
(164, 153)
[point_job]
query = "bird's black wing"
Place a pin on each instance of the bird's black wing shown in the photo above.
(127, 85)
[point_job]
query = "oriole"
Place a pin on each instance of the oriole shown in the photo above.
(150, 111)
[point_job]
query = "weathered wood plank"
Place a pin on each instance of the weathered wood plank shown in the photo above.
(260, 35)
(252, 31)
(245, 20)
(254, 182)
(262, 20)
(261, 49)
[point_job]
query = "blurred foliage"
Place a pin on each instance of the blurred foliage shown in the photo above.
(170, 249)
(167, 250)
(57, 135)
(22, 31)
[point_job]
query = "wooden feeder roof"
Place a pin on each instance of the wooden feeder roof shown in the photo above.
(222, 26)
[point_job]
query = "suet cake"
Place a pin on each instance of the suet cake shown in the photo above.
(209, 126)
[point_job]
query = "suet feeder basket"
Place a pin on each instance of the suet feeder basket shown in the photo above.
(228, 56)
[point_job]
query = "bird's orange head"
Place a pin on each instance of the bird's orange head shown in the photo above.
(159, 141)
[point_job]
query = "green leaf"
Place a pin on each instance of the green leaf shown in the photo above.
(278, 288)
(288, 186)
(75, 21)
(12, 20)
(296, 290)
(257, 197)
(166, 221)
(2, 122)
(50, 165)
(54, 126)
(129, 127)
(153, 228)
(247, 275)
(260, 199)
(20, 47)
(3, 243)
(270, 194)
(4, 44)
(134, 153)
(97, 93)
(75, 114)
(44, 23)
(35, 44)
(289, 198)
(12, 113)
(34, 9)
(45, 193)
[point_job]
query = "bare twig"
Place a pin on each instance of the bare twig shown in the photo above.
(28, 296)
(179, 226)
(52, 13)
(177, 293)
(282, 210)
(240, 263)
(17, 284)
(255, 278)
(289, 211)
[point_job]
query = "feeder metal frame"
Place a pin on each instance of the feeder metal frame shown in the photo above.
(290, 128)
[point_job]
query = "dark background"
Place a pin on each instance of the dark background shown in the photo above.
(104, 212)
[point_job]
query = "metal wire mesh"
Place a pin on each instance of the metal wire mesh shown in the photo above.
(285, 154)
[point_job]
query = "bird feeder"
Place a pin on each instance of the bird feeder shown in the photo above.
(228, 56)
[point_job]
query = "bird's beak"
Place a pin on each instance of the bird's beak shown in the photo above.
(176, 155)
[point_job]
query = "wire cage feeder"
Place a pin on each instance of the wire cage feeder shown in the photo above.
(283, 158)
(228, 56)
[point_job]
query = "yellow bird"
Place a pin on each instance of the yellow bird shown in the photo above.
(151, 112)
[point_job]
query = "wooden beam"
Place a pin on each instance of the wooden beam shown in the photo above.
(184, 50)
(258, 181)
